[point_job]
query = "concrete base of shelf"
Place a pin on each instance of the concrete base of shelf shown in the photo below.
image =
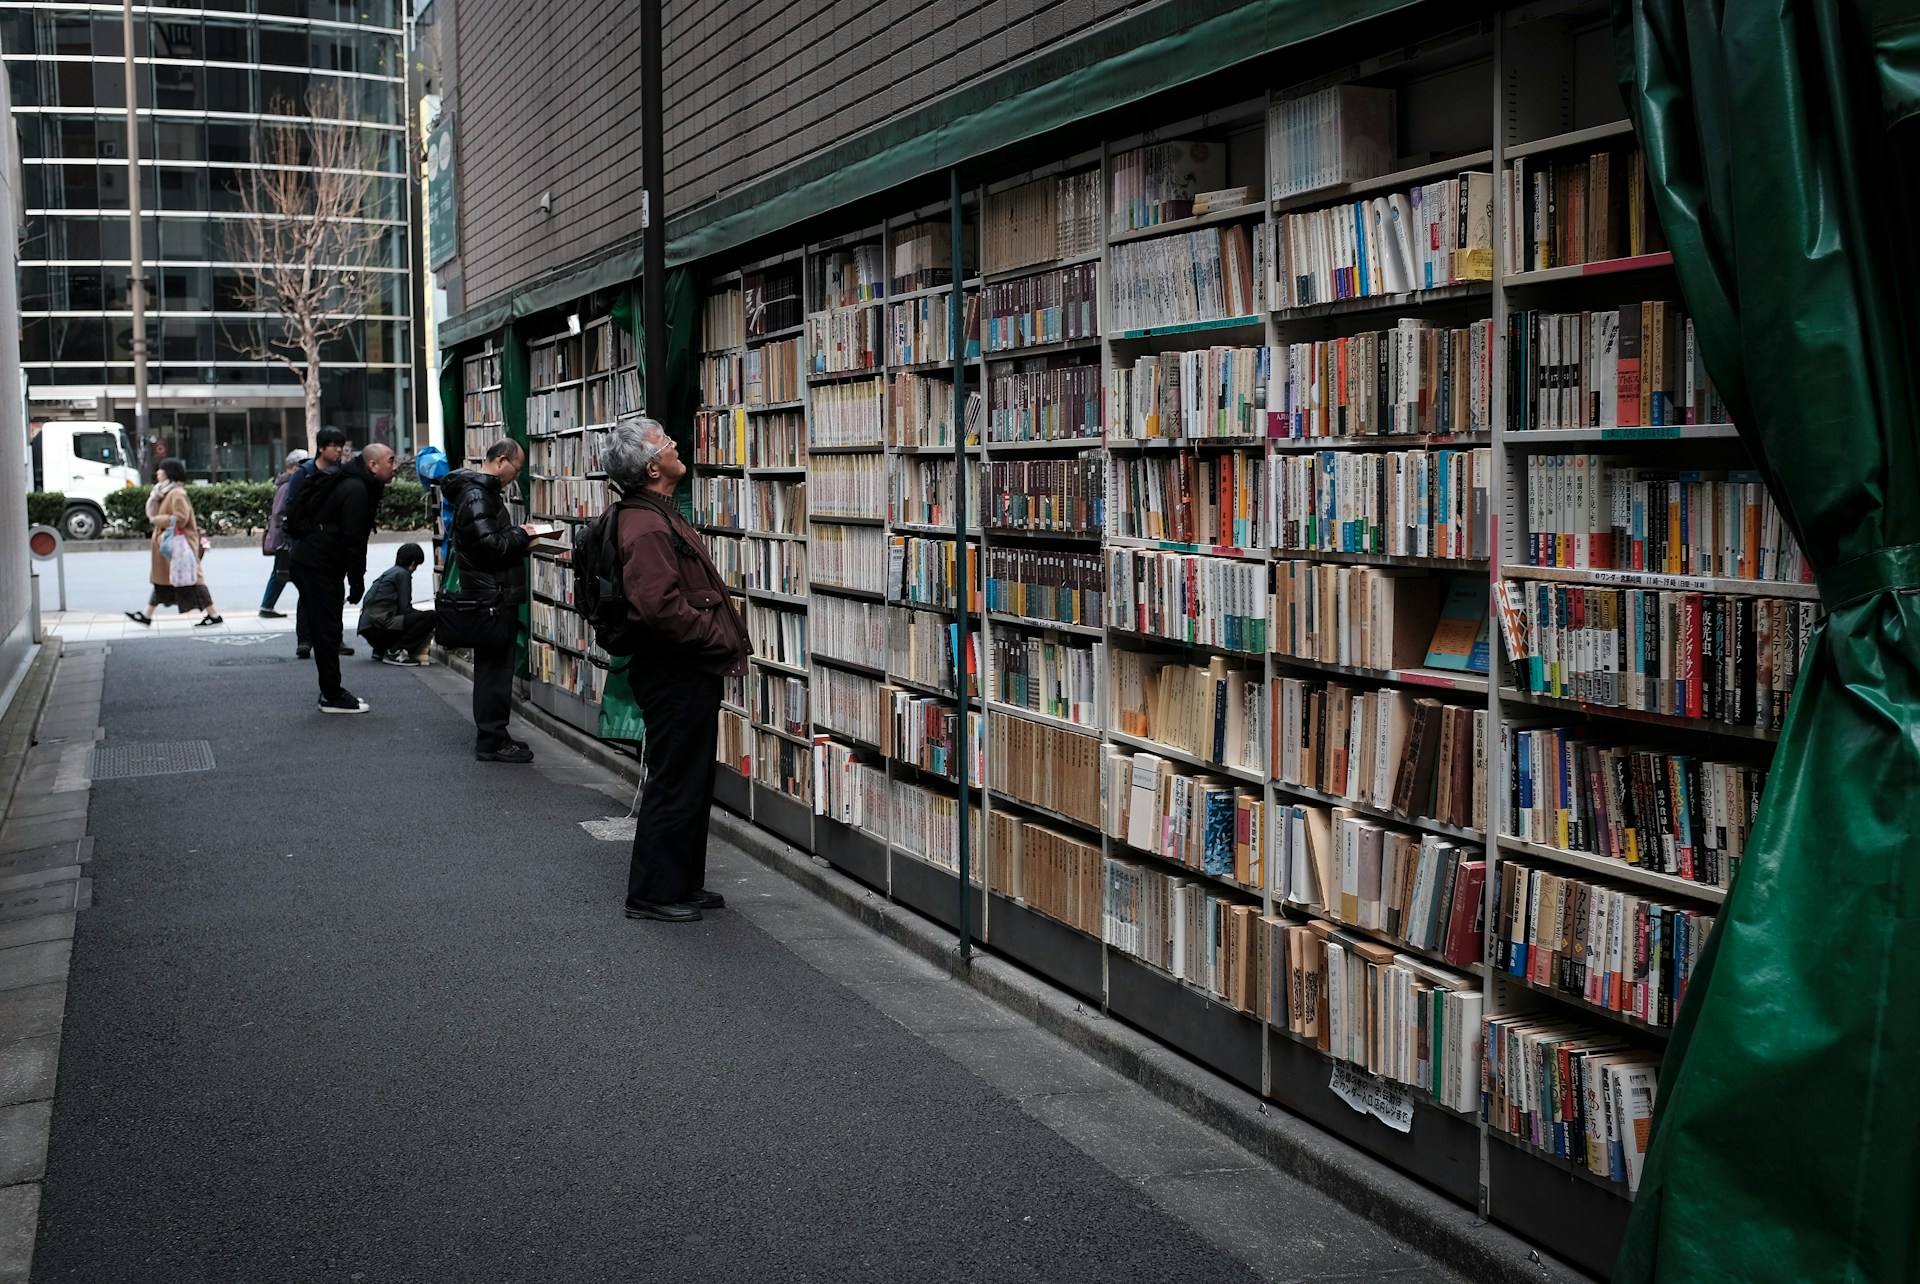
(936, 893)
(852, 851)
(787, 817)
(732, 791)
(1587, 1220)
(1227, 1040)
(1052, 949)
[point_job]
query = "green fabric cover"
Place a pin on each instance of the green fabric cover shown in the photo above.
(1784, 1134)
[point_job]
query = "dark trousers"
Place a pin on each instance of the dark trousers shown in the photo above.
(682, 713)
(492, 695)
(410, 635)
(323, 596)
(276, 584)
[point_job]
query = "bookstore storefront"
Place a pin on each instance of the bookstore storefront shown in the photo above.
(1295, 504)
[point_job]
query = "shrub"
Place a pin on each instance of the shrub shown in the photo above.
(45, 507)
(127, 511)
(403, 507)
(241, 508)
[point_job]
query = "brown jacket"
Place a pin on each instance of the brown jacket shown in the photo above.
(675, 591)
(174, 504)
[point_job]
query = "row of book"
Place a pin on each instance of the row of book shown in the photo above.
(1565, 210)
(552, 580)
(1187, 278)
(577, 455)
(771, 300)
(847, 275)
(568, 496)
(749, 504)
(1217, 500)
(1405, 755)
(1208, 393)
(723, 321)
(1635, 366)
(552, 363)
(849, 557)
(784, 766)
(1048, 307)
(849, 705)
(1589, 512)
(1045, 494)
(925, 731)
(923, 491)
(851, 790)
(1208, 824)
(1050, 218)
(733, 746)
(481, 374)
(1366, 617)
(1340, 134)
(1581, 1094)
(845, 339)
(1723, 657)
(924, 572)
(848, 486)
(555, 410)
(1194, 931)
(1211, 601)
(1672, 813)
(1413, 378)
(770, 373)
(1153, 185)
(483, 407)
(561, 627)
(923, 256)
(721, 381)
(1047, 585)
(1045, 766)
(926, 826)
(1406, 503)
(851, 413)
(920, 412)
(1433, 235)
(778, 635)
(849, 629)
(1615, 949)
(573, 674)
(720, 438)
(1057, 874)
(771, 565)
(779, 701)
(921, 647)
(613, 395)
(1421, 891)
(921, 330)
(1062, 404)
(1215, 711)
(1057, 677)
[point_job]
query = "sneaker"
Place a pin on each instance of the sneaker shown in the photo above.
(303, 653)
(345, 649)
(345, 702)
(400, 659)
(267, 614)
(515, 751)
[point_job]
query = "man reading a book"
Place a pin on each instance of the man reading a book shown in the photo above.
(491, 555)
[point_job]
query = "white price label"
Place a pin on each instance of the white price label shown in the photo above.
(1390, 1103)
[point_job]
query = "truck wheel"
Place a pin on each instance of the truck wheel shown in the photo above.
(81, 522)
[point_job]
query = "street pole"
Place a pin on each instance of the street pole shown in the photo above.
(136, 277)
(653, 213)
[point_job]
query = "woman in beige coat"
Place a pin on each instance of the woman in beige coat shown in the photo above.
(169, 507)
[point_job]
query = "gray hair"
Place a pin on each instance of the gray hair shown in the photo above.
(632, 445)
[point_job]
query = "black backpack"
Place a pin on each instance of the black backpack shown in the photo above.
(598, 593)
(303, 506)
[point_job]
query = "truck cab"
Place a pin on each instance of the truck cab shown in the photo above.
(85, 461)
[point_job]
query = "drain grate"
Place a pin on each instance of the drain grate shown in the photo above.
(120, 762)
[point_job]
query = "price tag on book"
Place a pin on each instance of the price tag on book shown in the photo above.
(1390, 1103)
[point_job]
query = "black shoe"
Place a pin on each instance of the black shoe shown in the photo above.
(267, 613)
(303, 653)
(345, 649)
(345, 702)
(707, 900)
(138, 617)
(663, 913)
(512, 751)
(400, 658)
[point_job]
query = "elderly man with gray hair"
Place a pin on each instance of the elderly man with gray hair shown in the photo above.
(690, 638)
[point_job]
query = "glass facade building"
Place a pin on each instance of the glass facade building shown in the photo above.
(205, 75)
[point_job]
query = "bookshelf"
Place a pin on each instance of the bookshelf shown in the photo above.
(1228, 465)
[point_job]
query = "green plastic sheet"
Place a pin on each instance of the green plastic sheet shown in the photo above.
(1781, 141)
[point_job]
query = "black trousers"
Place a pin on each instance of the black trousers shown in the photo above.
(492, 695)
(682, 712)
(410, 635)
(323, 596)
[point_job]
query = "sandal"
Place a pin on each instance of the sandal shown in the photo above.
(139, 617)
(206, 620)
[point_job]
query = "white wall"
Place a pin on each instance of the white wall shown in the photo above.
(16, 618)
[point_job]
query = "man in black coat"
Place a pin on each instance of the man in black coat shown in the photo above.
(333, 549)
(491, 554)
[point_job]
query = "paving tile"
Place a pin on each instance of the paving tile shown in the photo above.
(50, 898)
(32, 1010)
(35, 964)
(24, 1130)
(1134, 1135)
(932, 1007)
(39, 806)
(52, 856)
(1026, 1063)
(31, 834)
(41, 927)
(863, 960)
(28, 1069)
(39, 878)
(19, 1223)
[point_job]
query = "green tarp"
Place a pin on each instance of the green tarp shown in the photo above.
(1785, 155)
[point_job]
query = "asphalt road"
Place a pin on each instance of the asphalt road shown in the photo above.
(323, 1025)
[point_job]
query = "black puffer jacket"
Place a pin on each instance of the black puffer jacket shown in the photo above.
(337, 543)
(490, 549)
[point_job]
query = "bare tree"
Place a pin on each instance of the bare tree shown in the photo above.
(308, 239)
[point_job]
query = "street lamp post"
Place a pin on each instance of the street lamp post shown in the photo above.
(136, 275)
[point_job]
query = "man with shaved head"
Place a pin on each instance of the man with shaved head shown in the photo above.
(333, 551)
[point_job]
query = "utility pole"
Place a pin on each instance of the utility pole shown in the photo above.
(136, 275)
(653, 212)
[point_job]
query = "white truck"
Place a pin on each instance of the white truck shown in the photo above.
(85, 461)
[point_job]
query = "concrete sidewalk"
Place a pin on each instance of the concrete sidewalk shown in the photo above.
(321, 1027)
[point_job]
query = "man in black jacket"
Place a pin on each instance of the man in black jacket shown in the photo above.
(491, 555)
(335, 548)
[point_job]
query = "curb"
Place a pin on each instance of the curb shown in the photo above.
(1449, 1232)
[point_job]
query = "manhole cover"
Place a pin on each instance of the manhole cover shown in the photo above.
(241, 639)
(244, 661)
(119, 762)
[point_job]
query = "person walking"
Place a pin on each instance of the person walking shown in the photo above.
(393, 628)
(693, 638)
(178, 549)
(491, 553)
(332, 548)
(275, 544)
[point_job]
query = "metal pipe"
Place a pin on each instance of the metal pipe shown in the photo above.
(136, 273)
(653, 244)
(963, 626)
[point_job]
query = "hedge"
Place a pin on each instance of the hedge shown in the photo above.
(45, 507)
(241, 508)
